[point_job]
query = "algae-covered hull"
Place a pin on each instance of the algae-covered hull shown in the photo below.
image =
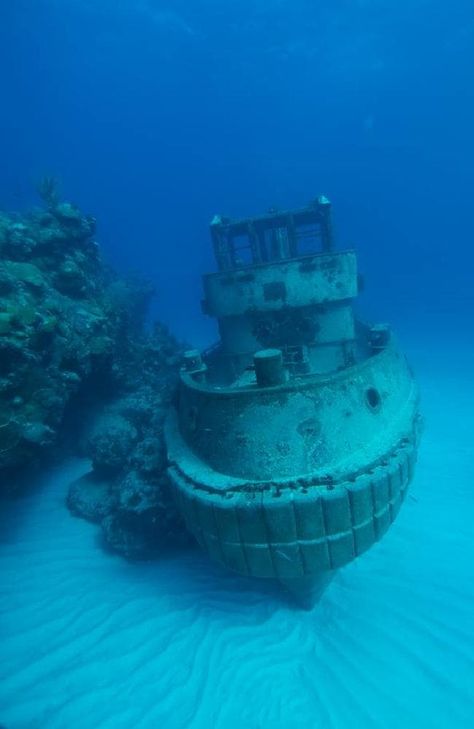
(290, 460)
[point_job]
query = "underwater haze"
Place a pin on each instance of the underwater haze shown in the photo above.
(155, 116)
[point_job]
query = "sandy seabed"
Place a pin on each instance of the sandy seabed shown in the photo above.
(89, 641)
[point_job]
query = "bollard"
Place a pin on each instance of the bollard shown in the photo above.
(269, 369)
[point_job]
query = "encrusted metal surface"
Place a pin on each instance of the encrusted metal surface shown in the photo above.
(294, 440)
(295, 529)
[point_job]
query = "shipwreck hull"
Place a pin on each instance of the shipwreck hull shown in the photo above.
(347, 461)
(285, 467)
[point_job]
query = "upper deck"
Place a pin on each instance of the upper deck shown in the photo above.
(274, 236)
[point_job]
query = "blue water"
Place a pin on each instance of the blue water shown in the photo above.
(155, 115)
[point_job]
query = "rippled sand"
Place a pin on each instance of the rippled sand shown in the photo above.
(91, 642)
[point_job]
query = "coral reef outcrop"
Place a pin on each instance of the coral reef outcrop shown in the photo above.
(128, 492)
(73, 349)
(57, 325)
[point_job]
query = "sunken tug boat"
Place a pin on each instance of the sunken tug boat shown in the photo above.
(295, 437)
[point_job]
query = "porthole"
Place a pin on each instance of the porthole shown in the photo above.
(372, 398)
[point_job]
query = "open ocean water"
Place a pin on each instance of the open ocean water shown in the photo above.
(156, 115)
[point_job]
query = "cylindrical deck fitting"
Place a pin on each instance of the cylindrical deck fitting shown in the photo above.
(193, 364)
(192, 360)
(379, 337)
(269, 369)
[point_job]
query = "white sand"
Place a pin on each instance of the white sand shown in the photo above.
(91, 642)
